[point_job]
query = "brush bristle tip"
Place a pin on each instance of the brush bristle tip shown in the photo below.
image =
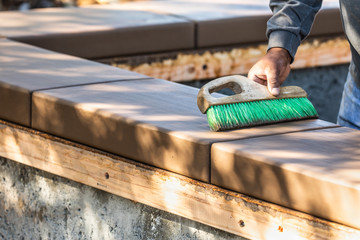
(239, 115)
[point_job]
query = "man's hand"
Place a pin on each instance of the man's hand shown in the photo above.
(272, 69)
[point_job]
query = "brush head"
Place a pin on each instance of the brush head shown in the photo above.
(252, 104)
(252, 113)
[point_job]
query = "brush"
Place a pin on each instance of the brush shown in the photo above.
(252, 104)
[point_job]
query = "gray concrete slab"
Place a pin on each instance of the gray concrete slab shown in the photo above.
(24, 69)
(154, 121)
(97, 31)
(235, 22)
(316, 172)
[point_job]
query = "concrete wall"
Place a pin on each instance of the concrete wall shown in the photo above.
(324, 86)
(38, 205)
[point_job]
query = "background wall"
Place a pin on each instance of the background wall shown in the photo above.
(324, 86)
(38, 205)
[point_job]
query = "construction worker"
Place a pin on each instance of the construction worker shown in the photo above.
(290, 24)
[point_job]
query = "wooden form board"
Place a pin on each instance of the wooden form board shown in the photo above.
(317, 172)
(213, 63)
(152, 121)
(220, 208)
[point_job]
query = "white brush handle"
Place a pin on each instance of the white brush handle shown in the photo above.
(245, 90)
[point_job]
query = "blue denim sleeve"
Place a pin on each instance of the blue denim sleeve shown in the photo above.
(291, 23)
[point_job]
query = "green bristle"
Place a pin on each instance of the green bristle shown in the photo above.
(237, 115)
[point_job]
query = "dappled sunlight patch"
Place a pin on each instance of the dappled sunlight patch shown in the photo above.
(170, 190)
(108, 109)
(288, 154)
(12, 199)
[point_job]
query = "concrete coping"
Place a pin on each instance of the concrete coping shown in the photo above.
(149, 120)
(121, 30)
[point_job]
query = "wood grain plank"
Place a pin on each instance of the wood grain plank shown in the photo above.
(220, 208)
(217, 62)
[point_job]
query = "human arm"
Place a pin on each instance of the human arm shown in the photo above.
(290, 24)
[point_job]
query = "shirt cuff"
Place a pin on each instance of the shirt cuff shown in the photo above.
(286, 40)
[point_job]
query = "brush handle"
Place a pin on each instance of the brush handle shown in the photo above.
(245, 90)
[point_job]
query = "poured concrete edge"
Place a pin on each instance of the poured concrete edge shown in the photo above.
(236, 30)
(316, 172)
(15, 104)
(98, 31)
(154, 121)
(115, 36)
(221, 23)
(92, 121)
(125, 137)
(117, 42)
(25, 69)
(232, 31)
